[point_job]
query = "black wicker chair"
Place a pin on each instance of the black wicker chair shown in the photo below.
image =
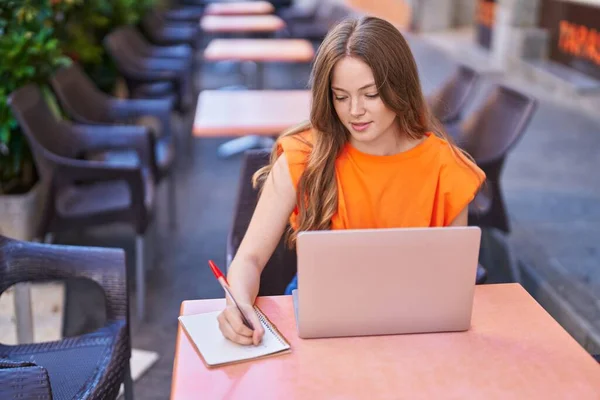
(23, 380)
(87, 193)
(449, 101)
(85, 104)
(488, 135)
(89, 366)
(151, 77)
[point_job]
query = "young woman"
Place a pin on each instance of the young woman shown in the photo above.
(370, 157)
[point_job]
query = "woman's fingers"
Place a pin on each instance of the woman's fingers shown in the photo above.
(259, 331)
(231, 334)
(234, 318)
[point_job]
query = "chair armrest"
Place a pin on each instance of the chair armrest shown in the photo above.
(180, 34)
(24, 380)
(108, 137)
(144, 74)
(123, 110)
(181, 29)
(184, 13)
(177, 65)
(30, 262)
(182, 51)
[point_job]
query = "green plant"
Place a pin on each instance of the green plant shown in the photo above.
(36, 36)
(30, 53)
(86, 23)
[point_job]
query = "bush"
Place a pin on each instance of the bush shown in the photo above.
(36, 38)
(86, 23)
(30, 54)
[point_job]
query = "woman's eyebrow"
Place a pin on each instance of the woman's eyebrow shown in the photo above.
(361, 88)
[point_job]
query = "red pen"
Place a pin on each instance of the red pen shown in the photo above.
(223, 281)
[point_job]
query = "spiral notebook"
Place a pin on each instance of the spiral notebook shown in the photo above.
(215, 350)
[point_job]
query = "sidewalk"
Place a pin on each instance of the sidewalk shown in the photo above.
(551, 188)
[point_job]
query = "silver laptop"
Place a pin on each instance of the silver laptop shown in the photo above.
(385, 281)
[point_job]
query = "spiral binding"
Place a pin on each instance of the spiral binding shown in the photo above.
(265, 321)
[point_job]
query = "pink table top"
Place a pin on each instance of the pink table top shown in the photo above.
(514, 350)
(244, 112)
(280, 50)
(240, 8)
(239, 23)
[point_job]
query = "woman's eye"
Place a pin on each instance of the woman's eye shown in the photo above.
(340, 98)
(372, 96)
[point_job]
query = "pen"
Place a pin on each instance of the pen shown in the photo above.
(223, 281)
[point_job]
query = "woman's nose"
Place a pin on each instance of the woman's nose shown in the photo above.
(357, 108)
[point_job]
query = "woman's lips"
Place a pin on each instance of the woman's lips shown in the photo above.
(359, 127)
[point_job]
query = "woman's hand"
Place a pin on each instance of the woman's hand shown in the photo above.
(232, 327)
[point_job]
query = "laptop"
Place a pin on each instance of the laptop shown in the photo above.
(385, 281)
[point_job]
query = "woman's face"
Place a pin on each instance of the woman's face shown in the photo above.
(358, 105)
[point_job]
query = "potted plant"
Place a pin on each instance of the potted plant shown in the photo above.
(35, 38)
(30, 54)
(83, 27)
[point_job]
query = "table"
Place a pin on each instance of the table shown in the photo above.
(240, 8)
(241, 24)
(263, 50)
(514, 350)
(262, 112)
(259, 51)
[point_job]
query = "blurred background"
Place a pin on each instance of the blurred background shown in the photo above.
(135, 124)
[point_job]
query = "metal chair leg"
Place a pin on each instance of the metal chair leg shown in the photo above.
(140, 275)
(22, 301)
(49, 238)
(154, 244)
(23, 312)
(128, 382)
(172, 189)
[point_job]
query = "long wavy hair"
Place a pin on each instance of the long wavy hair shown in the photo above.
(383, 48)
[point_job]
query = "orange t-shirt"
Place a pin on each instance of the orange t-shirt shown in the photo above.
(427, 185)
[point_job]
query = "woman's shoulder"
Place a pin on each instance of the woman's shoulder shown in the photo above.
(296, 145)
(455, 164)
(301, 141)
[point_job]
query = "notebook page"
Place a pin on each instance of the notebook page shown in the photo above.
(204, 331)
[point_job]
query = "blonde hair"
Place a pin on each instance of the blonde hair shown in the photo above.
(381, 46)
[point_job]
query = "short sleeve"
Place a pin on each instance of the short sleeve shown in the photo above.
(296, 148)
(460, 182)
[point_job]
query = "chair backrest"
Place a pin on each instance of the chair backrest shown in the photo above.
(281, 268)
(122, 53)
(78, 95)
(497, 125)
(46, 135)
(448, 103)
(152, 20)
(134, 37)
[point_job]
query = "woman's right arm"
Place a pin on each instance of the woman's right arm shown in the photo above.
(266, 227)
